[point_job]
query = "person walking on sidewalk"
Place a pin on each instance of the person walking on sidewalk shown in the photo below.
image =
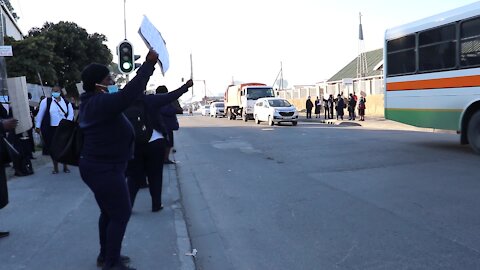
(149, 154)
(107, 146)
(361, 108)
(5, 125)
(51, 111)
(309, 106)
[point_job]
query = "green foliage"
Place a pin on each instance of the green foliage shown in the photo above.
(10, 8)
(59, 52)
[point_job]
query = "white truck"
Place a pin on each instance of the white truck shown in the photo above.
(240, 99)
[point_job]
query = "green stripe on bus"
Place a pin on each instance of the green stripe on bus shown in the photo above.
(439, 119)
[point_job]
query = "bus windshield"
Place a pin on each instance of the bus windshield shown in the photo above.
(254, 93)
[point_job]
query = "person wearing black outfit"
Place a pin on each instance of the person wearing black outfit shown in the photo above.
(149, 159)
(51, 111)
(169, 113)
(5, 125)
(309, 106)
(107, 146)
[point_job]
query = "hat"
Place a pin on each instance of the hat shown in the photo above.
(92, 74)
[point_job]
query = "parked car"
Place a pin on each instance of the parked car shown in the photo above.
(205, 110)
(274, 111)
(217, 109)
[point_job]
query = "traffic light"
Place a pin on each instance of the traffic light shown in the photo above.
(137, 65)
(126, 60)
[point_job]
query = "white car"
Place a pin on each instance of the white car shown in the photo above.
(205, 110)
(217, 109)
(274, 111)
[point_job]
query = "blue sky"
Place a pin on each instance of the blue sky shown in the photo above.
(245, 40)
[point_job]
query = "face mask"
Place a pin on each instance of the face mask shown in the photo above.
(112, 89)
(55, 94)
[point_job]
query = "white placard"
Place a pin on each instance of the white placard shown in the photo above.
(17, 92)
(80, 88)
(152, 37)
(6, 51)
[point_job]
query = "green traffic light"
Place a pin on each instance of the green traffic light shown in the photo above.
(126, 66)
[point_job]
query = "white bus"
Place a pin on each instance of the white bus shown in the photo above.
(432, 73)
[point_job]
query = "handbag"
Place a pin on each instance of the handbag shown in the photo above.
(8, 152)
(67, 142)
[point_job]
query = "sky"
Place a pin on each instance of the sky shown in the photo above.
(239, 40)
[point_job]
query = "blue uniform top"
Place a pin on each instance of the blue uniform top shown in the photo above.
(108, 135)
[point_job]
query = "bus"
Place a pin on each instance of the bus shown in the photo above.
(432, 73)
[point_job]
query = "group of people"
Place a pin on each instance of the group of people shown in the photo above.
(337, 105)
(127, 138)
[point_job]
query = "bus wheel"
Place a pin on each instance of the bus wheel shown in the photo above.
(473, 132)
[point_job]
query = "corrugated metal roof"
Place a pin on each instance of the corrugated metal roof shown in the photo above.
(350, 70)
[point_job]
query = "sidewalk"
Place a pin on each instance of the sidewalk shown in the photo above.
(53, 220)
(372, 122)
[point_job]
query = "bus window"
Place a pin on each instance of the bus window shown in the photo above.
(437, 48)
(470, 43)
(401, 55)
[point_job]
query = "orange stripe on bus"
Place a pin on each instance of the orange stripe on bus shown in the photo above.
(457, 82)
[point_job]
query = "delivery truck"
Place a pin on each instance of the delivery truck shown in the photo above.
(240, 99)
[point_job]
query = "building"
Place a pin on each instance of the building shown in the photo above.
(9, 23)
(371, 85)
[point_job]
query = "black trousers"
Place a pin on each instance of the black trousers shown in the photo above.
(3, 187)
(107, 181)
(148, 161)
(309, 113)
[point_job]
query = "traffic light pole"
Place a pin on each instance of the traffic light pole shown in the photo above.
(125, 18)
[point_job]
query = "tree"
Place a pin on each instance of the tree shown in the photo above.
(10, 8)
(32, 56)
(67, 50)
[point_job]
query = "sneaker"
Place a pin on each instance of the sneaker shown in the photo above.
(101, 260)
(4, 234)
(168, 161)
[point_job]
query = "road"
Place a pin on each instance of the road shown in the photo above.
(318, 196)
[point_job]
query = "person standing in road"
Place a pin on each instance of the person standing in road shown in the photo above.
(5, 125)
(149, 155)
(309, 106)
(51, 111)
(318, 107)
(107, 146)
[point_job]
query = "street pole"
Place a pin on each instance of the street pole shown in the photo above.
(127, 77)
(3, 65)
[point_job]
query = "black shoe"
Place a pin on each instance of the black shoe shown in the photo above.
(101, 260)
(120, 266)
(4, 234)
(157, 208)
(168, 161)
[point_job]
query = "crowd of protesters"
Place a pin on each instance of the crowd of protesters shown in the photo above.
(335, 107)
(120, 153)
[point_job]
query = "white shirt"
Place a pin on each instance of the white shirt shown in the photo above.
(56, 113)
(155, 136)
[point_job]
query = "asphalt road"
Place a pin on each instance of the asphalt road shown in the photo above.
(317, 196)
